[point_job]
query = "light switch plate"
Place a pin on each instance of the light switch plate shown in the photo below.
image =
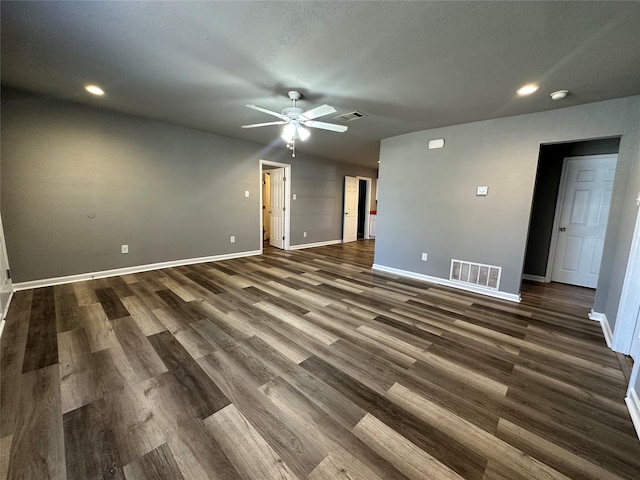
(294, 196)
(246, 193)
(482, 191)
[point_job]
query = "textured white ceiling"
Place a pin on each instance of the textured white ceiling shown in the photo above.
(408, 65)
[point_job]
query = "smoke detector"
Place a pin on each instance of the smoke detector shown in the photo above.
(560, 94)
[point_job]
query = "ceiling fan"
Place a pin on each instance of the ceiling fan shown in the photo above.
(295, 121)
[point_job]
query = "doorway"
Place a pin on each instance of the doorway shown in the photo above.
(543, 224)
(356, 208)
(275, 220)
(362, 207)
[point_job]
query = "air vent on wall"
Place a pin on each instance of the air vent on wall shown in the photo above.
(349, 117)
(475, 273)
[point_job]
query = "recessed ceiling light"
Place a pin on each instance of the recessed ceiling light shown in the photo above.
(94, 89)
(528, 89)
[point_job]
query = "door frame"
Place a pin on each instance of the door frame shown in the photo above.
(556, 217)
(629, 305)
(287, 202)
(4, 264)
(367, 214)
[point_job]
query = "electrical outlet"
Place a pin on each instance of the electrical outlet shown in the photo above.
(124, 249)
(304, 234)
(295, 196)
(424, 257)
(232, 239)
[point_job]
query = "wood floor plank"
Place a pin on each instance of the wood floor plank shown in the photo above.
(5, 455)
(37, 447)
(252, 456)
(97, 327)
(206, 451)
(328, 432)
(342, 466)
(41, 349)
(468, 434)
(452, 453)
(88, 441)
(158, 464)
(409, 459)
(111, 303)
(146, 320)
(144, 361)
(291, 443)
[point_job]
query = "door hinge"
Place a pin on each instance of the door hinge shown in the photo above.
(284, 209)
(282, 238)
(284, 179)
(263, 207)
(8, 274)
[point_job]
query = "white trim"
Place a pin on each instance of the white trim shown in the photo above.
(316, 244)
(81, 277)
(2, 322)
(441, 281)
(287, 201)
(633, 405)
(604, 324)
(6, 307)
(534, 278)
(625, 327)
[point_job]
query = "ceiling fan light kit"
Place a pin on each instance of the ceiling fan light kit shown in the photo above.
(295, 120)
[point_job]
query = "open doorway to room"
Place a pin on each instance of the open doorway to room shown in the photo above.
(356, 208)
(275, 222)
(362, 207)
(570, 211)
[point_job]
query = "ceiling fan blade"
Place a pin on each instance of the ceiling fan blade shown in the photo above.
(325, 126)
(275, 114)
(320, 111)
(254, 125)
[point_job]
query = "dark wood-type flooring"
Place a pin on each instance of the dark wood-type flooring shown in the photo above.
(308, 365)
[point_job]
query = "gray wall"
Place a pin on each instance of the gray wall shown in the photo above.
(546, 194)
(169, 192)
(427, 199)
(319, 204)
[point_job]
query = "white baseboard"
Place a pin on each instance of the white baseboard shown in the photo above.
(81, 277)
(633, 404)
(442, 281)
(6, 306)
(4, 313)
(316, 244)
(534, 278)
(604, 324)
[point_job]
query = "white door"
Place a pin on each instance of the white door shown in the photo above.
(5, 282)
(350, 222)
(266, 205)
(276, 235)
(584, 210)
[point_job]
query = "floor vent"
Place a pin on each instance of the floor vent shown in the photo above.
(348, 117)
(475, 274)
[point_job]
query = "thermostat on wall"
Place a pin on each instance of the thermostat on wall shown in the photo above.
(482, 191)
(437, 143)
